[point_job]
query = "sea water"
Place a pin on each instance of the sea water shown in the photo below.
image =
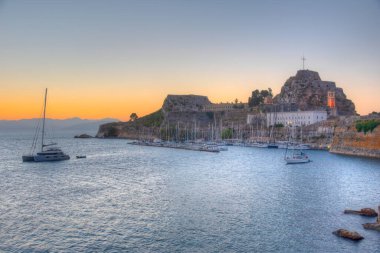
(127, 198)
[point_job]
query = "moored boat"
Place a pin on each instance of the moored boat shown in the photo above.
(272, 145)
(297, 156)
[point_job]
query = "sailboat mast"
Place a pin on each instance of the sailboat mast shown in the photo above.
(43, 123)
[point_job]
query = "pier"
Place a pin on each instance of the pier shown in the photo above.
(182, 145)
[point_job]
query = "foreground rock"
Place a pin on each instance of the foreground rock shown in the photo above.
(352, 235)
(374, 226)
(84, 136)
(369, 212)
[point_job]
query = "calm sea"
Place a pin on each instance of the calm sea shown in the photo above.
(126, 198)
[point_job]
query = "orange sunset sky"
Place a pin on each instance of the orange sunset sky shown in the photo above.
(108, 59)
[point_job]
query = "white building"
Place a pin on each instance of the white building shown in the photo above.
(298, 118)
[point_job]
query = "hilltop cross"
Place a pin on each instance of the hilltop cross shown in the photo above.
(303, 62)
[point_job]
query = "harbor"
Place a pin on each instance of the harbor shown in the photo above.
(148, 192)
(189, 126)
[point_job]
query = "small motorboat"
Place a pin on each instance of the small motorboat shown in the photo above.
(80, 156)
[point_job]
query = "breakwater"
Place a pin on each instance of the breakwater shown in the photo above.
(187, 146)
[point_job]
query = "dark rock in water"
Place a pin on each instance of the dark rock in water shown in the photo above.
(372, 226)
(352, 235)
(369, 212)
(84, 136)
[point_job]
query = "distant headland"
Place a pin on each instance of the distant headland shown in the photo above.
(71, 124)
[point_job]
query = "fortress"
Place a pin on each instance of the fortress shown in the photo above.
(303, 92)
(309, 92)
(305, 99)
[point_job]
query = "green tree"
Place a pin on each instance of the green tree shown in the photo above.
(257, 97)
(227, 133)
(264, 93)
(366, 125)
(270, 92)
(133, 116)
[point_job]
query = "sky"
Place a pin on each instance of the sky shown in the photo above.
(111, 58)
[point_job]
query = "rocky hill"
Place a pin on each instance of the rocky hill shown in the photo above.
(147, 125)
(309, 92)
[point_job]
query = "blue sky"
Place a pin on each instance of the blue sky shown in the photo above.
(143, 50)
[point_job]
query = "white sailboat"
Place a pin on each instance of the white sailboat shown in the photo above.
(295, 156)
(53, 153)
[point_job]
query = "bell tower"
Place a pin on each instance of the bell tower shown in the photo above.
(331, 103)
(331, 99)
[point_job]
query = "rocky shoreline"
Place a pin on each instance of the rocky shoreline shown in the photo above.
(349, 141)
(355, 236)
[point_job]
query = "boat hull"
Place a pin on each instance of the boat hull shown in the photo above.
(296, 161)
(28, 158)
(50, 158)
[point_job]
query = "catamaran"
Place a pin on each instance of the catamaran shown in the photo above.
(53, 153)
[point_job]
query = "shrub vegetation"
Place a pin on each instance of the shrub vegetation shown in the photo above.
(367, 125)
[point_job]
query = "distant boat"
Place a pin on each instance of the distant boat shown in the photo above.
(45, 155)
(272, 145)
(258, 145)
(80, 156)
(300, 146)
